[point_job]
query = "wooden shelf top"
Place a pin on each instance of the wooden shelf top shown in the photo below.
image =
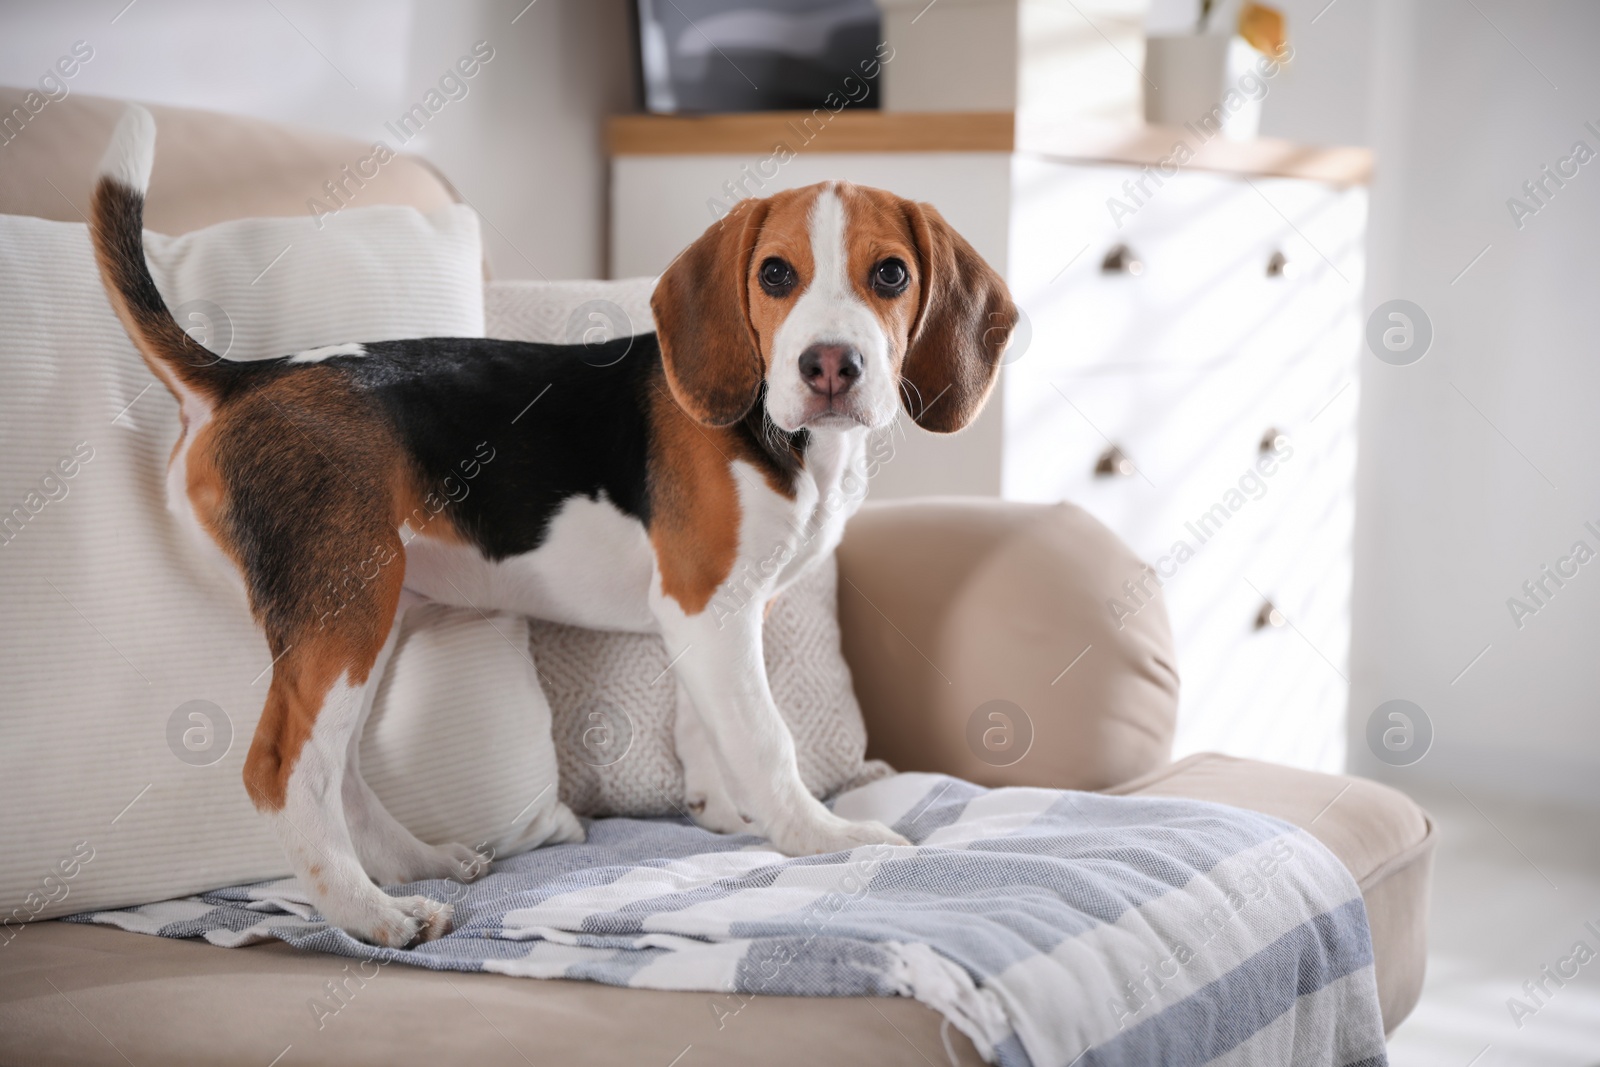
(762, 133)
(811, 131)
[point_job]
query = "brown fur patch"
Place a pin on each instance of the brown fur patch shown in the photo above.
(425, 509)
(694, 504)
(298, 479)
(964, 319)
(785, 234)
(695, 513)
(712, 361)
(301, 680)
(877, 229)
(205, 489)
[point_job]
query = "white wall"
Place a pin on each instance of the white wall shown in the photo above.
(1478, 463)
(1323, 95)
(524, 146)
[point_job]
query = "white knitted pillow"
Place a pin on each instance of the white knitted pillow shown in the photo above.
(612, 697)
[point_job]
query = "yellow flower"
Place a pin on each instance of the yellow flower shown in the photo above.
(1263, 28)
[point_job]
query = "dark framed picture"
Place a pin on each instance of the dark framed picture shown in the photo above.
(702, 56)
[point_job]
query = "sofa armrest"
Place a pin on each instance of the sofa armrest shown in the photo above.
(946, 605)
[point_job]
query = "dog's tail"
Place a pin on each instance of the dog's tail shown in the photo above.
(183, 364)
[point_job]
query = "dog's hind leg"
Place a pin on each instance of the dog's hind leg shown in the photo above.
(296, 766)
(389, 852)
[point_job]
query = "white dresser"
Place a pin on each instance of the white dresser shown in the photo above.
(1191, 380)
(1189, 376)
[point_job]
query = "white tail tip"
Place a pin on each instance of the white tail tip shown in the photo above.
(132, 149)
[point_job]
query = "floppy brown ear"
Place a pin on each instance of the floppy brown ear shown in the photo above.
(962, 326)
(702, 312)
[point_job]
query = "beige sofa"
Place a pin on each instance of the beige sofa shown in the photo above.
(945, 605)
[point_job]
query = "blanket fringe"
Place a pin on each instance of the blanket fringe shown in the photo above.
(945, 986)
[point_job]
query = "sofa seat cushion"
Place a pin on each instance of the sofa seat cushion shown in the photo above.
(1381, 835)
(185, 1002)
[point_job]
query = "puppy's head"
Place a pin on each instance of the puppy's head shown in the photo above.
(845, 302)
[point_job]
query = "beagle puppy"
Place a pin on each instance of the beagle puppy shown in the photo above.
(731, 442)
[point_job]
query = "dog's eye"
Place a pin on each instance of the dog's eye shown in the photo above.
(889, 278)
(777, 277)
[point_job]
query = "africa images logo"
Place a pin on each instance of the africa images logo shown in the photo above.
(1399, 332)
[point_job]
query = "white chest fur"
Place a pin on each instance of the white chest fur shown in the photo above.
(779, 537)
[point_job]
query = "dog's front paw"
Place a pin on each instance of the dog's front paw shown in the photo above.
(831, 834)
(392, 922)
(713, 811)
(421, 919)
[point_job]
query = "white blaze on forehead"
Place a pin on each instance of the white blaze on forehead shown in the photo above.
(830, 256)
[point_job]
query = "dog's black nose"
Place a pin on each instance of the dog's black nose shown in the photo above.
(830, 369)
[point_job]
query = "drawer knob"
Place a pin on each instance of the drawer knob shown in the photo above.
(1121, 260)
(1113, 463)
(1269, 616)
(1272, 439)
(1278, 266)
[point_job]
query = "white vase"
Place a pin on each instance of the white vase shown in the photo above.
(1210, 81)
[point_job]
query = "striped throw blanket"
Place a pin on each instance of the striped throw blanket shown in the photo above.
(1051, 927)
